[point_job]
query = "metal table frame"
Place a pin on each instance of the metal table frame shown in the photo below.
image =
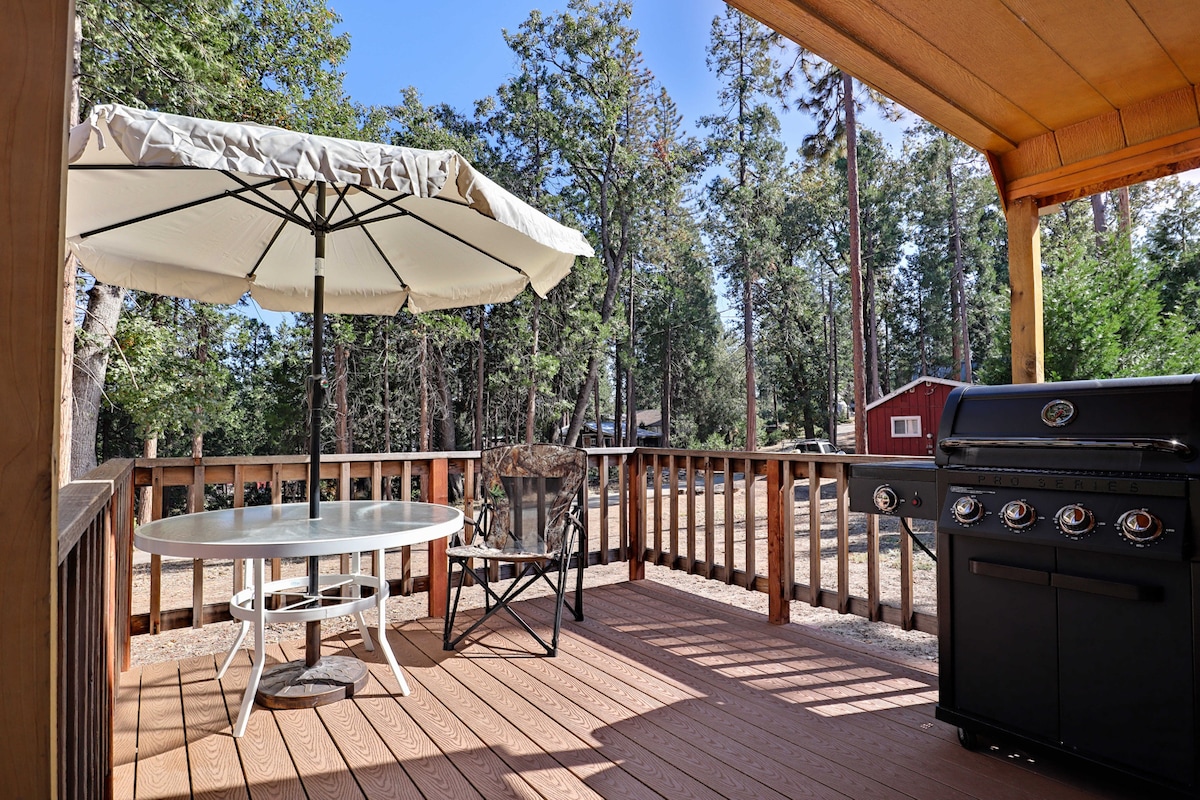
(259, 533)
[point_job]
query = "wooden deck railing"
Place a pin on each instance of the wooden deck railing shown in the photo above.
(701, 516)
(94, 542)
(731, 516)
(424, 476)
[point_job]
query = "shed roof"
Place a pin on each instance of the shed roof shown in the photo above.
(1066, 98)
(914, 384)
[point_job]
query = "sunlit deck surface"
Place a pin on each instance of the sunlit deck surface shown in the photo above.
(658, 693)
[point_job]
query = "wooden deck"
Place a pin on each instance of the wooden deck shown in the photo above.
(657, 694)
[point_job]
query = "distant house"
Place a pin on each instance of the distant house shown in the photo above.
(905, 422)
(588, 437)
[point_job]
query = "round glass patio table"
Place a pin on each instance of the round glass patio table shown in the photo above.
(258, 533)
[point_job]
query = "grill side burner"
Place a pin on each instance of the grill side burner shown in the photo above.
(1068, 575)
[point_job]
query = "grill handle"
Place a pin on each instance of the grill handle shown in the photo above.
(1175, 446)
(1058, 580)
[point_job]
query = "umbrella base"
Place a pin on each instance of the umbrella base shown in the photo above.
(294, 685)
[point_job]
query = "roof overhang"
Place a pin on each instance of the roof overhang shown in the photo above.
(1066, 98)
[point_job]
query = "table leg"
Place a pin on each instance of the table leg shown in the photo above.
(239, 583)
(260, 647)
(356, 591)
(383, 641)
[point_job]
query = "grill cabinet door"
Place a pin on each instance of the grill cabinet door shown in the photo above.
(1127, 689)
(1004, 638)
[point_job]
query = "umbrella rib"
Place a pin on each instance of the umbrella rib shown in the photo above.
(278, 208)
(275, 237)
(367, 232)
(237, 194)
(435, 226)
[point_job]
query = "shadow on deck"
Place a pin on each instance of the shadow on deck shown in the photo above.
(658, 693)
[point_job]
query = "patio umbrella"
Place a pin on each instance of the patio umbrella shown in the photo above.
(211, 210)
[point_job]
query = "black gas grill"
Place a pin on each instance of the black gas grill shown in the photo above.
(1067, 575)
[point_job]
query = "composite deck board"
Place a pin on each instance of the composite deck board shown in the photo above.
(162, 766)
(468, 753)
(268, 765)
(125, 732)
(663, 763)
(657, 694)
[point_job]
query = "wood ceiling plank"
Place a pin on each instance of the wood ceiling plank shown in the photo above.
(1034, 156)
(992, 43)
(860, 39)
(1090, 138)
(1175, 24)
(1161, 116)
(1106, 43)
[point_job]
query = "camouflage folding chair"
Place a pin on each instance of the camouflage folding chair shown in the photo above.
(529, 516)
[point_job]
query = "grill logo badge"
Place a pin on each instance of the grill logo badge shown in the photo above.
(1058, 413)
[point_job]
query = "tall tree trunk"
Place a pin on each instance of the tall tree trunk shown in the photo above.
(599, 415)
(1124, 213)
(666, 412)
(751, 388)
(963, 339)
(90, 367)
(831, 356)
(531, 395)
(871, 330)
(479, 377)
(593, 371)
(856, 300)
(424, 435)
(1099, 223)
(67, 355)
(386, 402)
(145, 505)
(445, 416)
(341, 436)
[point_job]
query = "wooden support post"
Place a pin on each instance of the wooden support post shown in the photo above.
(780, 549)
(636, 485)
(35, 39)
(1025, 280)
(439, 492)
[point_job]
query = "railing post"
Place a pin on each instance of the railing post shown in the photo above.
(439, 492)
(779, 545)
(636, 486)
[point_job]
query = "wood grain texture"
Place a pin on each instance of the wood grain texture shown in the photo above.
(35, 41)
(1025, 279)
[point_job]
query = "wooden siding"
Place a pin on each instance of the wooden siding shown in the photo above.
(924, 400)
(658, 694)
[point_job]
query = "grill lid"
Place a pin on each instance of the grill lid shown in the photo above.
(1117, 425)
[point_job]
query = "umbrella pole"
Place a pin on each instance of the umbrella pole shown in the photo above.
(312, 643)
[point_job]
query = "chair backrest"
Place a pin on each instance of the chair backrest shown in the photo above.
(529, 492)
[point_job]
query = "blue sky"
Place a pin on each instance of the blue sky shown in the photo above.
(454, 52)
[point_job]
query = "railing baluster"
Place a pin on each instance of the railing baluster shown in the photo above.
(710, 504)
(689, 479)
(814, 534)
(729, 515)
(603, 492)
(843, 538)
(751, 543)
(906, 579)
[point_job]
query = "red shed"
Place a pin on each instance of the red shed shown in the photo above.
(905, 423)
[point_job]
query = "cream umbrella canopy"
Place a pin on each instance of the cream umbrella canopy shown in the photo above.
(212, 210)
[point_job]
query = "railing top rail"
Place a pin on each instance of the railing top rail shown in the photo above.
(81, 501)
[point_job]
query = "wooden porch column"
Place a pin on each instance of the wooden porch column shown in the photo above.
(1025, 280)
(780, 545)
(35, 39)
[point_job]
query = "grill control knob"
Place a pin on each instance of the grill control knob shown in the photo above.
(1140, 526)
(1018, 515)
(1075, 520)
(967, 510)
(885, 499)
